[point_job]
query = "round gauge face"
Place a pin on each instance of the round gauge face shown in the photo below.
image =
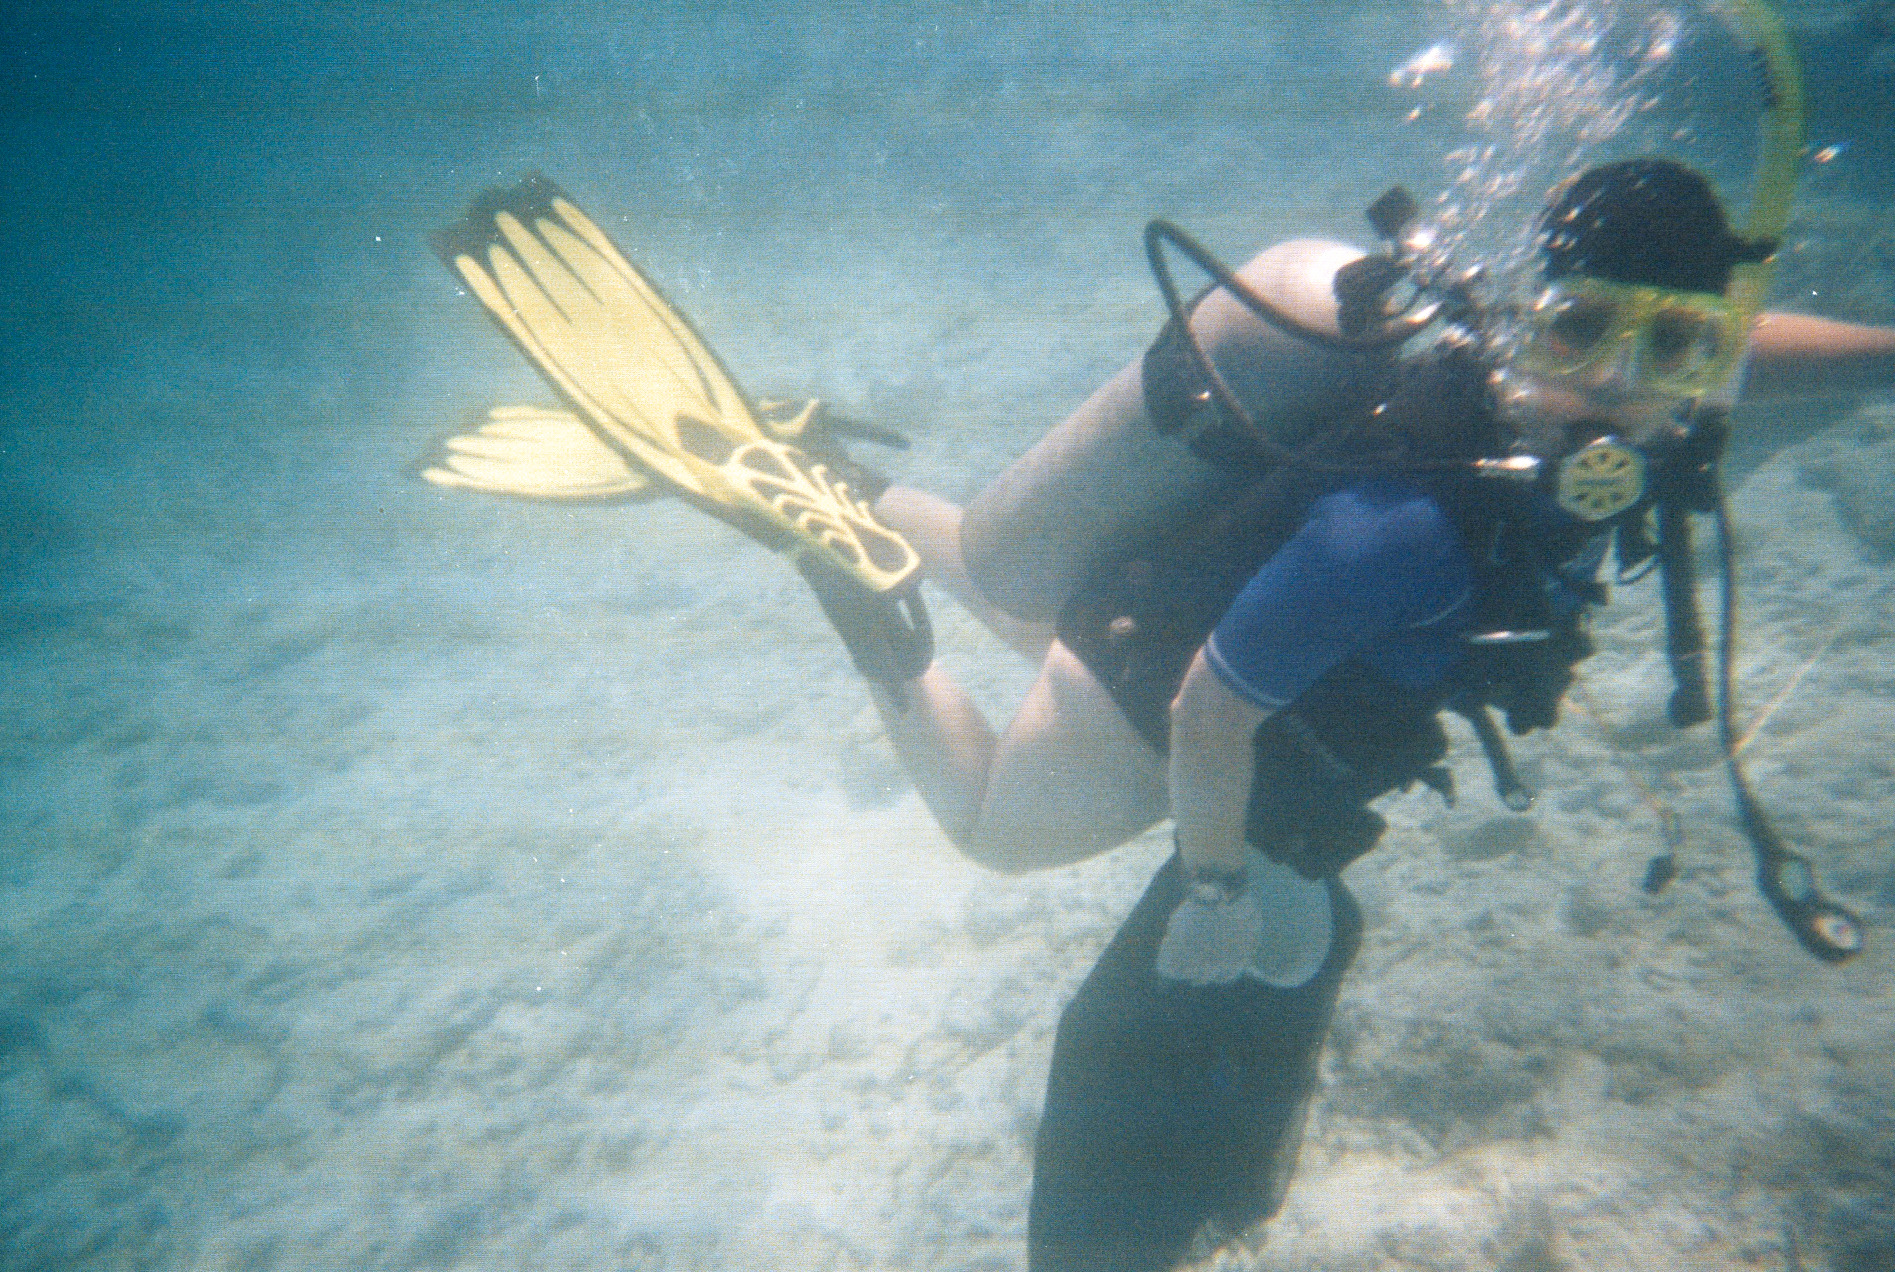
(1601, 480)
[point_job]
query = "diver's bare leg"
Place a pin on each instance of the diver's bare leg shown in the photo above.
(1069, 779)
(932, 526)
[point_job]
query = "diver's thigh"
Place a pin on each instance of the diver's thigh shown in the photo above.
(1072, 777)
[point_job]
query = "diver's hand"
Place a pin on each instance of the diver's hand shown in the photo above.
(1213, 933)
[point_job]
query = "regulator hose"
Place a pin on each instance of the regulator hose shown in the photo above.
(1784, 876)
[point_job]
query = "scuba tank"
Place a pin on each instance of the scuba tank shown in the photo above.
(1125, 464)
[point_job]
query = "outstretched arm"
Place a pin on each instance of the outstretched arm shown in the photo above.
(1801, 355)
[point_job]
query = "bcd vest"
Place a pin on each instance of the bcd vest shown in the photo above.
(1140, 616)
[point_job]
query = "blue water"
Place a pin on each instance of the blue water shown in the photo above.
(397, 878)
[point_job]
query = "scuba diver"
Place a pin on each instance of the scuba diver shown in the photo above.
(1336, 497)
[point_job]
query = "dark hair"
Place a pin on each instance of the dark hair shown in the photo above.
(1643, 221)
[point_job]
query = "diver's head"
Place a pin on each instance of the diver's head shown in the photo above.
(1637, 321)
(1643, 223)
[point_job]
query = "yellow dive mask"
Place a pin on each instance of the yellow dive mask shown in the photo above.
(1689, 343)
(1676, 342)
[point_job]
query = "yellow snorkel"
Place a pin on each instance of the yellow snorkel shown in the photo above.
(1780, 150)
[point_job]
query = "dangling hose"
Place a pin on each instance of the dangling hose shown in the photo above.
(1684, 633)
(1784, 876)
(1690, 483)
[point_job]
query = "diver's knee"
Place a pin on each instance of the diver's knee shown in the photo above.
(1012, 867)
(1001, 853)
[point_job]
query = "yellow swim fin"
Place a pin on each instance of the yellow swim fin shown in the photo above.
(536, 452)
(651, 391)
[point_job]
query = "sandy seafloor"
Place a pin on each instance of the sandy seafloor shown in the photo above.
(398, 879)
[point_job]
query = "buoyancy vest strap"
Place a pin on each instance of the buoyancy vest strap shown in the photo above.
(1513, 792)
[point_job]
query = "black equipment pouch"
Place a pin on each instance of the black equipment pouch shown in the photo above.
(1306, 809)
(1351, 738)
(1527, 682)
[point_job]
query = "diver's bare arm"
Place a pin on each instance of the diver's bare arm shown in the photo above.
(1801, 355)
(1212, 764)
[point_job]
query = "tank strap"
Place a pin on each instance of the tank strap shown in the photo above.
(1180, 404)
(1174, 391)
